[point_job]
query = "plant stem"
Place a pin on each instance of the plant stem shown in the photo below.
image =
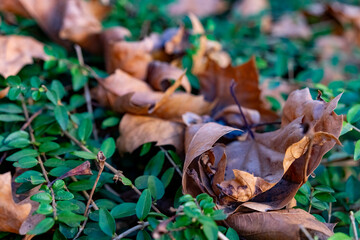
(306, 232)
(172, 162)
(232, 91)
(118, 174)
(222, 236)
(353, 224)
(87, 92)
(101, 160)
(28, 122)
(93, 204)
(131, 230)
(31, 132)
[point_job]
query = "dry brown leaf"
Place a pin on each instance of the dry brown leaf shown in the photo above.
(160, 73)
(278, 225)
(127, 94)
(251, 7)
(13, 6)
(292, 26)
(132, 57)
(232, 117)
(215, 84)
(81, 23)
(4, 92)
(276, 162)
(178, 40)
(200, 8)
(18, 51)
(12, 215)
(137, 130)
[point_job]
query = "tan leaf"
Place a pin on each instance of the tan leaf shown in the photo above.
(251, 7)
(137, 130)
(277, 225)
(160, 73)
(4, 92)
(81, 23)
(12, 215)
(18, 51)
(200, 8)
(132, 57)
(13, 6)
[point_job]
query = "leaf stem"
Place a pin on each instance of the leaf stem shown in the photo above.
(172, 162)
(232, 91)
(353, 224)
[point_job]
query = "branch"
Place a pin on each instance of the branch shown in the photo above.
(87, 92)
(353, 224)
(131, 230)
(172, 161)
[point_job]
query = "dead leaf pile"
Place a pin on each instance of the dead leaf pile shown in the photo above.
(263, 171)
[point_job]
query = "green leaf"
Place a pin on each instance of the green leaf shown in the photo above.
(58, 88)
(357, 151)
(126, 181)
(35, 82)
(145, 149)
(84, 155)
(13, 81)
(156, 187)
(10, 108)
(48, 146)
(14, 93)
(41, 197)
(325, 197)
(26, 162)
(81, 185)
(21, 154)
(26, 176)
(210, 231)
(143, 205)
(35, 180)
(142, 182)
(52, 96)
(61, 116)
(143, 235)
(11, 118)
(44, 209)
(167, 176)
(354, 113)
(63, 195)
(85, 129)
(231, 234)
(70, 218)
(108, 147)
(79, 78)
(110, 122)
(324, 188)
(59, 171)
(16, 136)
(36, 95)
(155, 164)
(49, 64)
(351, 188)
(219, 215)
(340, 236)
(66, 206)
(106, 222)
(59, 184)
(123, 210)
(42, 227)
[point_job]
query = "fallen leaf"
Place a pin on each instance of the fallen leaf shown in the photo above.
(13, 6)
(18, 51)
(137, 130)
(12, 215)
(160, 73)
(200, 8)
(265, 168)
(278, 225)
(4, 92)
(215, 83)
(132, 57)
(81, 23)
